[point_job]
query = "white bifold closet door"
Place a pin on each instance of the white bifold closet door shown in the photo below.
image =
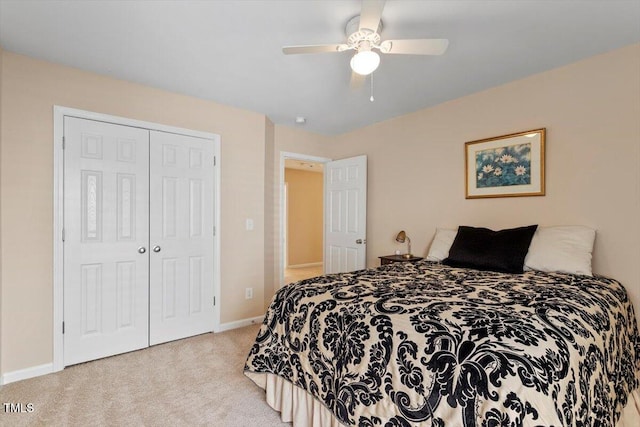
(106, 210)
(181, 229)
(138, 249)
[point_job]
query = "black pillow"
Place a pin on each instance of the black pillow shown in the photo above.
(484, 249)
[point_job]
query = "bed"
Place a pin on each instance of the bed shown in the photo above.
(423, 343)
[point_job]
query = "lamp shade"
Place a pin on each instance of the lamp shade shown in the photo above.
(401, 237)
(365, 62)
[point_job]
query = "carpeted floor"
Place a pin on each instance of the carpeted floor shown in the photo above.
(195, 381)
(295, 274)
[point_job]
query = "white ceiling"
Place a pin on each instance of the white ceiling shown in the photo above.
(230, 51)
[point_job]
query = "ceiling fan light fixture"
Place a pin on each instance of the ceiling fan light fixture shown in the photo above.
(365, 62)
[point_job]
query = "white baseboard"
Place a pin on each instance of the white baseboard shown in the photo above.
(240, 323)
(26, 373)
(310, 264)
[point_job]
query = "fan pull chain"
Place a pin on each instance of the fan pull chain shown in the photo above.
(372, 98)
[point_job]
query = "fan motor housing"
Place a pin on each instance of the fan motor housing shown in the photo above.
(355, 35)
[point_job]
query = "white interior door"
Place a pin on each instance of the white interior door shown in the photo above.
(181, 241)
(106, 187)
(345, 204)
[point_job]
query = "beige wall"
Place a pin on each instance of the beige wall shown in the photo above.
(269, 213)
(304, 216)
(31, 88)
(591, 110)
(1, 51)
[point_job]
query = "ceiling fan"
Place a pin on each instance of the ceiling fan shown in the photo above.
(363, 36)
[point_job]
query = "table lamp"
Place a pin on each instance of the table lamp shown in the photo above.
(400, 238)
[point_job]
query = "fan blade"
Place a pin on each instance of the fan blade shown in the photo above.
(415, 47)
(370, 14)
(319, 48)
(357, 80)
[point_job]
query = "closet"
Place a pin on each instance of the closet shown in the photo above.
(138, 238)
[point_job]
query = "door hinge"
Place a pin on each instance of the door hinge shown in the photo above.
(63, 327)
(214, 160)
(63, 143)
(214, 301)
(63, 234)
(214, 231)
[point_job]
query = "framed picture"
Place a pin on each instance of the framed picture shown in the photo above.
(505, 166)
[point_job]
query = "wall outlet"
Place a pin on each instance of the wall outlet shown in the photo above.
(249, 224)
(248, 293)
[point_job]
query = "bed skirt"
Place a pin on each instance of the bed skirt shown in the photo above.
(295, 405)
(300, 408)
(631, 413)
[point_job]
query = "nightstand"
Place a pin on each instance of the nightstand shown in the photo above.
(389, 259)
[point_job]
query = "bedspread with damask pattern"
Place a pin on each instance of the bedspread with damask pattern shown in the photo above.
(425, 344)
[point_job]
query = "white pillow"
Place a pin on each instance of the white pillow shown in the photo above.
(564, 249)
(441, 244)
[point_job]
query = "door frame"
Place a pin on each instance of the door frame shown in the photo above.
(285, 219)
(59, 112)
(284, 155)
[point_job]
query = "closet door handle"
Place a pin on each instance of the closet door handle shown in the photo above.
(157, 248)
(142, 250)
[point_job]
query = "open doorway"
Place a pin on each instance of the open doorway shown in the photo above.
(302, 213)
(303, 231)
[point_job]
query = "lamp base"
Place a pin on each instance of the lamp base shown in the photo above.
(407, 256)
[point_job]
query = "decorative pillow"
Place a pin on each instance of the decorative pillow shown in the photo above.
(565, 249)
(441, 244)
(485, 249)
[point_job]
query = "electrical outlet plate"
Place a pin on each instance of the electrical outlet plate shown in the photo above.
(248, 293)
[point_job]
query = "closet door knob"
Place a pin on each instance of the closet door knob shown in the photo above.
(142, 250)
(156, 248)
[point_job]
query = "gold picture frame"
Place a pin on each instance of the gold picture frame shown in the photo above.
(506, 166)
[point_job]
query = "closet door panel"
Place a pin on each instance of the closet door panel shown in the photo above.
(181, 236)
(106, 223)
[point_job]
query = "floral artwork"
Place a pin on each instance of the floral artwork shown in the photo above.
(499, 167)
(506, 166)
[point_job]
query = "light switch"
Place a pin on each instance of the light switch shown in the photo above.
(249, 224)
